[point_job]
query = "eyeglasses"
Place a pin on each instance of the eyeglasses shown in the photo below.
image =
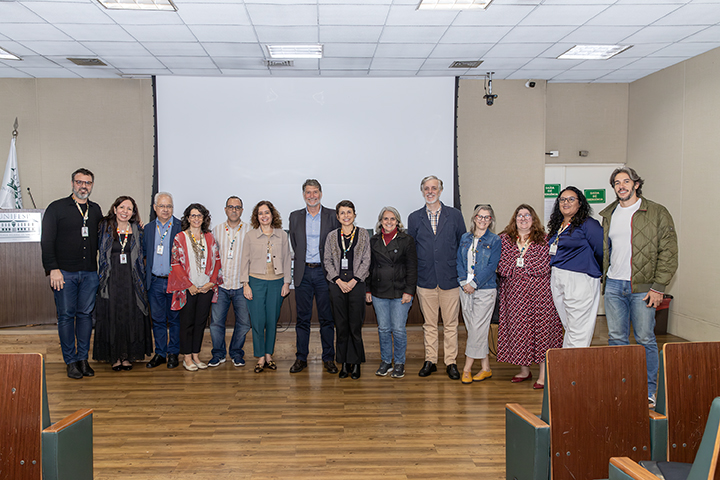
(484, 218)
(196, 215)
(567, 199)
(237, 208)
(82, 183)
(164, 207)
(523, 216)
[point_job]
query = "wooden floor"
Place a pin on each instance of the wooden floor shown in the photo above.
(230, 423)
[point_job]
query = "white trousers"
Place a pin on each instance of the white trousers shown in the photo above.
(576, 296)
(477, 309)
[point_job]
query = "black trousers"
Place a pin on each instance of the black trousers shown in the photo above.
(349, 314)
(193, 317)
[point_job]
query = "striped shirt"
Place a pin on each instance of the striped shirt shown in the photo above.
(230, 239)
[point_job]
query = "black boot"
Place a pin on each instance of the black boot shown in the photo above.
(355, 371)
(345, 370)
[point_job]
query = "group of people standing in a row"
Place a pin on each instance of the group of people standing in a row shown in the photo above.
(177, 272)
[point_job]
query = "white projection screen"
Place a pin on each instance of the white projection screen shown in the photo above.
(369, 140)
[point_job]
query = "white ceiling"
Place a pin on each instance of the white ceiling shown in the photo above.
(516, 39)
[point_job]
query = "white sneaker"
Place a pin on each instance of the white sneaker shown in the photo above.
(651, 401)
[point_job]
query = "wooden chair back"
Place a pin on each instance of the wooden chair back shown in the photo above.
(692, 381)
(21, 416)
(597, 402)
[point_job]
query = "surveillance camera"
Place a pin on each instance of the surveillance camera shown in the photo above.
(529, 84)
(490, 99)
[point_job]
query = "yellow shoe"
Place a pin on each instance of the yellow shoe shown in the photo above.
(482, 375)
(466, 377)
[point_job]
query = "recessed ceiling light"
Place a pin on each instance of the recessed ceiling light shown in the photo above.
(295, 51)
(166, 5)
(453, 4)
(593, 52)
(5, 55)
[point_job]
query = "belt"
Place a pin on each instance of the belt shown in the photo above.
(313, 265)
(161, 276)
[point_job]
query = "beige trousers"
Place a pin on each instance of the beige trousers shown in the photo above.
(448, 302)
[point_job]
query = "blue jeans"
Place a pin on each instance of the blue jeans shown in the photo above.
(75, 304)
(166, 322)
(623, 308)
(314, 284)
(217, 323)
(392, 316)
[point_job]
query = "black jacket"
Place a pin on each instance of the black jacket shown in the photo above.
(393, 269)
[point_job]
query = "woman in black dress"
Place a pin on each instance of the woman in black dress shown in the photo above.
(122, 326)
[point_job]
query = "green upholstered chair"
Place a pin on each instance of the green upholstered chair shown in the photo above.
(31, 447)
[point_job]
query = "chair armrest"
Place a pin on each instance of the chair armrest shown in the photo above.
(67, 448)
(658, 436)
(527, 445)
(623, 468)
(69, 420)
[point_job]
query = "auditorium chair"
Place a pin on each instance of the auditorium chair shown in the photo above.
(31, 447)
(594, 408)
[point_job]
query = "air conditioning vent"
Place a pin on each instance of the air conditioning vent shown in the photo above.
(279, 63)
(88, 62)
(465, 64)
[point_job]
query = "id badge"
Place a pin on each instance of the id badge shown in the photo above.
(160, 249)
(553, 249)
(123, 258)
(85, 232)
(203, 262)
(230, 255)
(269, 258)
(344, 264)
(520, 262)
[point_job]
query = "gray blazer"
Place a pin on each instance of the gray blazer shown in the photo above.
(298, 240)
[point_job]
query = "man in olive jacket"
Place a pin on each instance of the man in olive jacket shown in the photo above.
(640, 258)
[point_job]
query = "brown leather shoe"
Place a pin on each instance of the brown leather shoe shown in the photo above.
(298, 366)
(330, 367)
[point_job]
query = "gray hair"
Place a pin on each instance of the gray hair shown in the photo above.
(393, 210)
(630, 173)
(311, 182)
(163, 194)
(428, 178)
(487, 208)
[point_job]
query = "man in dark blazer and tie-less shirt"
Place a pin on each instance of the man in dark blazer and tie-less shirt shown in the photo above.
(437, 229)
(309, 228)
(157, 246)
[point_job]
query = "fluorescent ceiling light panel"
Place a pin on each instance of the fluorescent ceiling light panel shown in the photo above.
(593, 52)
(5, 55)
(453, 4)
(166, 5)
(295, 51)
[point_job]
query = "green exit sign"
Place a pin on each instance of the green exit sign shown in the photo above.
(595, 195)
(552, 190)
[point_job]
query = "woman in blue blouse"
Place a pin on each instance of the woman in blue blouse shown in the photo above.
(576, 255)
(477, 260)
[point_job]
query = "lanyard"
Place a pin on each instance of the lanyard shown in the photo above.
(474, 250)
(227, 232)
(201, 243)
(524, 247)
(342, 239)
(167, 229)
(562, 229)
(84, 215)
(124, 241)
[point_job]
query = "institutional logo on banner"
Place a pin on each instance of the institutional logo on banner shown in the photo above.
(10, 193)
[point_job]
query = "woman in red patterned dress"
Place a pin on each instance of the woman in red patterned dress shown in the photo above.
(529, 323)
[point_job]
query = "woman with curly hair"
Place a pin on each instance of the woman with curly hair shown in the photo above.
(265, 272)
(122, 327)
(576, 255)
(193, 281)
(529, 323)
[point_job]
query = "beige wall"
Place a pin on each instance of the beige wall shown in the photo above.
(65, 124)
(592, 117)
(674, 143)
(501, 149)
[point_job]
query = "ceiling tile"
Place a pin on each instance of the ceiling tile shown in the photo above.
(285, 15)
(348, 50)
(408, 15)
(504, 63)
(160, 33)
(133, 62)
(116, 48)
(509, 50)
(180, 49)
(529, 73)
(657, 63)
(624, 76)
(232, 72)
(461, 50)
(551, 64)
(641, 50)
(330, 72)
(13, 12)
(34, 61)
(97, 33)
(13, 73)
(355, 63)
(537, 34)
(214, 14)
(16, 48)
(195, 72)
(444, 63)
(229, 49)
(67, 49)
(237, 63)
(66, 12)
(710, 34)
(693, 14)
(600, 35)
(95, 72)
(438, 73)
(685, 50)
(609, 64)
(353, 14)
(49, 72)
(397, 63)
(352, 34)
(294, 73)
(661, 34)
(616, 15)
(134, 17)
(474, 34)
(222, 33)
(287, 34)
(404, 50)
(575, 75)
(496, 15)
(562, 14)
(412, 34)
(32, 32)
(174, 63)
